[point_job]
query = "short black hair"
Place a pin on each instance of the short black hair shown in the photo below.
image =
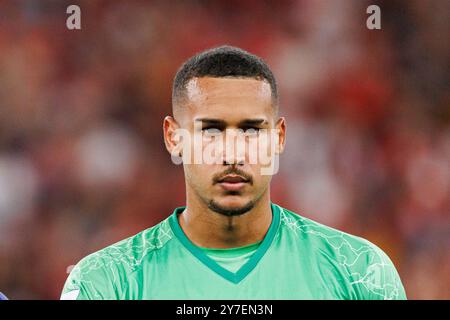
(224, 61)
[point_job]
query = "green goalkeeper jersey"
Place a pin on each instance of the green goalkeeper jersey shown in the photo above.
(297, 259)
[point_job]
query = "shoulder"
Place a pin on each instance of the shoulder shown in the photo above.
(363, 265)
(129, 253)
(106, 267)
(312, 230)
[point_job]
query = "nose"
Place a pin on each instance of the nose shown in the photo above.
(234, 151)
(233, 162)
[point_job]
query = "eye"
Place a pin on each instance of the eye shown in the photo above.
(211, 131)
(252, 131)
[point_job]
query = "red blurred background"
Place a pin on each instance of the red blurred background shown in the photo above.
(82, 159)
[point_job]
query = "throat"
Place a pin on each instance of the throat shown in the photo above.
(224, 232)
(233, 234)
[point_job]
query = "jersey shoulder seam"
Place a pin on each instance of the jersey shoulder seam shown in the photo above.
(129, 252)
(296, 222)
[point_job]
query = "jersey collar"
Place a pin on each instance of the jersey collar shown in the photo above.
(213, 265)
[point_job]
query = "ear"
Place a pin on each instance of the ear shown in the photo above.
(281, 127)
(173, 145)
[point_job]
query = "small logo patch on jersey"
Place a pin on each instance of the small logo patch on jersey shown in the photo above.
(71, 295)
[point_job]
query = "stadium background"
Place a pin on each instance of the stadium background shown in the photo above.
(82, 160)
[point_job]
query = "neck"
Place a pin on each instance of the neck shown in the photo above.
(209, 229)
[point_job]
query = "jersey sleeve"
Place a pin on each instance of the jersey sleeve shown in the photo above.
(90, 279)
(380, 279)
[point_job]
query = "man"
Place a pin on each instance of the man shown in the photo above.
(230, 241)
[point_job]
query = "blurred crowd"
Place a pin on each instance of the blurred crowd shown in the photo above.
(82, 159)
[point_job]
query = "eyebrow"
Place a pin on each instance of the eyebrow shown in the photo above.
(254, 121)
(257, 121)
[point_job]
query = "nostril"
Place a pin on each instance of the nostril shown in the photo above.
(239, 162)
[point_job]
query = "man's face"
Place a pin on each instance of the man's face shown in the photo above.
(228, 116)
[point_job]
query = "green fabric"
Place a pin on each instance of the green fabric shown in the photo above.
(232, 259)
(234, 277)
(297, 259)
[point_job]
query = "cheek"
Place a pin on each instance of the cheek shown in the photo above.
(261, 150)
(268, 141)
(261, 180)
(198, 174)
(191, 174)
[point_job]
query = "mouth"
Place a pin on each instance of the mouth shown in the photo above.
(233, 182)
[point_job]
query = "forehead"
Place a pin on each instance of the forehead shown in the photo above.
(228, 97)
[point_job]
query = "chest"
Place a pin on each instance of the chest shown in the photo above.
(275, 277)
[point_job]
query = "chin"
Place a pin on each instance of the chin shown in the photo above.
(232, 201)
(231, 205)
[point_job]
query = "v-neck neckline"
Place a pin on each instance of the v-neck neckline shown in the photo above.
(234, 277)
